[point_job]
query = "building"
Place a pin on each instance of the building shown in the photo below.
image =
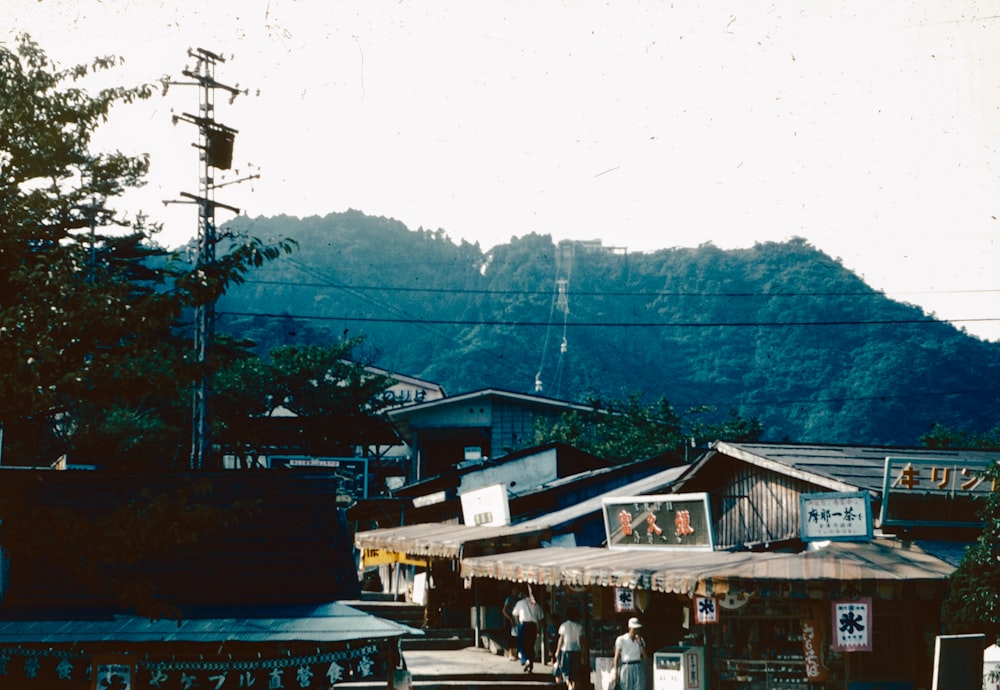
(226, 579)
(481, 425)
(774, 565)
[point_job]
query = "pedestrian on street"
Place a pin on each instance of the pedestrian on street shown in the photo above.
(569, 649)
(630, 650)
(528, 614)
(513, 645)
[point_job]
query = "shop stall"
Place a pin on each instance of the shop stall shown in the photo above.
(834, 614)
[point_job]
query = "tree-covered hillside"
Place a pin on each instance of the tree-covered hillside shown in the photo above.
(779, 331)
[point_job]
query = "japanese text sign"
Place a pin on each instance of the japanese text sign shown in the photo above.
(839, 516)
(624, 599)
(706, 610)
(852, 625)
(665, 521)
(934, 492)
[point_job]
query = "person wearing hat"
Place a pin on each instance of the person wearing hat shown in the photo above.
(630, 650)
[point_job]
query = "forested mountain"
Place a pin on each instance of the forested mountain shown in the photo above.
(780, 331)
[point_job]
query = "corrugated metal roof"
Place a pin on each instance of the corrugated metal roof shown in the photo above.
(450, 540)
(710, 572)
(838, 467)
(324, 623)
(651, 484)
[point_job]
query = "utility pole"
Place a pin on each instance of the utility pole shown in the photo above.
(215, 147)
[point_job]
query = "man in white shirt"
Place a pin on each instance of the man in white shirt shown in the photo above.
(528, 614)
(630, 650)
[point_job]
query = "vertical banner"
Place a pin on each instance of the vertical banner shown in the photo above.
(813, 648)
(706, 610)
(852, 625)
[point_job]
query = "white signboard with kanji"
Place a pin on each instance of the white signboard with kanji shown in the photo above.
(852, 625)
(836, 516)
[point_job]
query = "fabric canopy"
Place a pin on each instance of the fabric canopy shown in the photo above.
(449, 540)
(712, 572)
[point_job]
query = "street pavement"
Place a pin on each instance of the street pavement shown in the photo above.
(466, 662)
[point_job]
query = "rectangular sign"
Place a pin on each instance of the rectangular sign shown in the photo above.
(706, 610)
(665, 521)
(486, 506)
(372, 557)
(938, 493)
(837, 516)
(852, 625)
(624, 599)
(352, 473)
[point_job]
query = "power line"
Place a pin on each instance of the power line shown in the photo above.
(651, 293)
(611, 324)
(824, 401)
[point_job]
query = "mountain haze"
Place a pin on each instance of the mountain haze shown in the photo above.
(780, 331)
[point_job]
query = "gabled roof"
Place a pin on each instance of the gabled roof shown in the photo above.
(488, 394)
(451, 478)
(452, 540)
(836, 468)
(654, 483)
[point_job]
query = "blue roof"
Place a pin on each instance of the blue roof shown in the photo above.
(332, 622)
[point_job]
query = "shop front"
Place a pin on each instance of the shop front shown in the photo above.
(839, 615)
(308, 647)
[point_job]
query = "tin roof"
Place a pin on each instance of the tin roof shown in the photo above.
(711, 572)
(657, 482)
(838, 468)
(452, 540)
(331, 622)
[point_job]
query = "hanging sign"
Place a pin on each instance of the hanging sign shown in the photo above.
(372, 557)
(706, 610)
(852, 625)
(624, 599)
(812, 651)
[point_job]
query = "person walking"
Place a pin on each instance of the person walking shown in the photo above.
(528, 614)
(630, 650)
(569, 649)
(513, 646)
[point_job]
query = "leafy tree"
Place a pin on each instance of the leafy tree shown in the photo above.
(620, 430)
(94, 353)
(92, 349)
(313, 382)
(944, 437)
(973, 603)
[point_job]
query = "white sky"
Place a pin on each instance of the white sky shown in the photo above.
(870, 128)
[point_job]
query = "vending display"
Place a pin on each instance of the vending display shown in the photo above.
(679, 668)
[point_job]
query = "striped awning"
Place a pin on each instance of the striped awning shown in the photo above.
(712, 572)
(450, 540)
